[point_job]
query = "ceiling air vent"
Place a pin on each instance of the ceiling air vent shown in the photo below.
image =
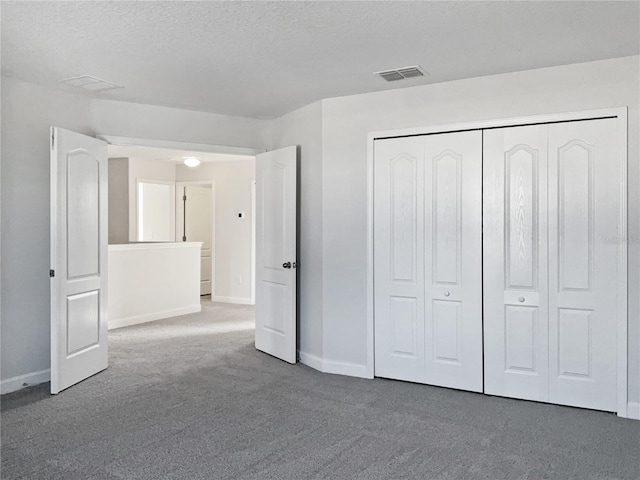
(90, 83)
(402, 73)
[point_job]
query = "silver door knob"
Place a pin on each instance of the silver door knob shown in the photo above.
(286, 265)
(446, 294)
(521, 299)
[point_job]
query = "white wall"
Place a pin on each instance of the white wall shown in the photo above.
(346, 122)
(140, 169)
(27, 112)
(232, 241)
(303, 127)
(118, 200)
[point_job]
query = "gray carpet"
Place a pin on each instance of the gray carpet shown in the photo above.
(190, 398)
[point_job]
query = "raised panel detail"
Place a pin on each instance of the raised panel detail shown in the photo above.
(574, 343)
(575, 215)
(446, 331)
(273, 216)
(83, 321)
(403, 317)
(446, 217)
(521, 229)
(403, 218)
(520, 339)
(83, 214)
(273, 303)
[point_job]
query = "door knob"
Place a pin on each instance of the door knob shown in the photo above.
(286, 265)
(521, 299)
(446, 294)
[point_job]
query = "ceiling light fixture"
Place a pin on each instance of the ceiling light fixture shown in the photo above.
(191, 162)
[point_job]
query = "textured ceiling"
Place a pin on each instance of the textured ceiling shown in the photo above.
(263, 59)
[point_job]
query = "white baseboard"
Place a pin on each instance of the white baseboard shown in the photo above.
(150, 317)
(633, 410)
(331, 366)
(21, 381)
(236, 300)
(311, 360)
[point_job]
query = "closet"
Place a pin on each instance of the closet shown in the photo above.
(496, 260)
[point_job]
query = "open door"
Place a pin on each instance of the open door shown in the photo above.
(78, 258)
(276, 180)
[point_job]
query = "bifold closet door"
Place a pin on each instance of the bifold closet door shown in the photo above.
(585, 213)
(515, 262)
(552, 208)
(427, 259)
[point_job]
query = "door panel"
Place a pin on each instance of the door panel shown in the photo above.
(399, 259)
(276, 207)
(78, 258)
(515, 262)
(584, 213)
(453, 254)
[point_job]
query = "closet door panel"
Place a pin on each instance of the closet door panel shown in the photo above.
(515, 262)
(399, 258)
(584, 218)
(453, 267)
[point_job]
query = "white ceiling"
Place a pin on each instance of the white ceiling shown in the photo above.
(170, 155)
(263, 59)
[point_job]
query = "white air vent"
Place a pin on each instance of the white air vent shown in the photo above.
(402, 73)
(90, 83)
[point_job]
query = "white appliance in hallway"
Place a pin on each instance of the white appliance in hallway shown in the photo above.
(276, 267)
(428, 277)
(197, 225)
(495, 254)
(78, 257)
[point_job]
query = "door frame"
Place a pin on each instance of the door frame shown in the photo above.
(179, 219)
(620, 113)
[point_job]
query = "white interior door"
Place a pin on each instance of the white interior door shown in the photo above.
(276, 210)
(427, 259)
(198, 217)
(584, 218)
(79, 228)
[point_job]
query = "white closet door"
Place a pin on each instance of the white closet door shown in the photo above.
(453, 260)
(515, 262)
(584, 218)
(399, 258)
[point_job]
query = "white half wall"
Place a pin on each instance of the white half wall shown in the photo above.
(232, 239)
(150, 281)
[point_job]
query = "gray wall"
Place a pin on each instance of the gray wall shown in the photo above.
(118, 200)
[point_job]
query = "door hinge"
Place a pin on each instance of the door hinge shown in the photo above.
(52, 273)
(184, 239)
(184, 198)
(53, 139)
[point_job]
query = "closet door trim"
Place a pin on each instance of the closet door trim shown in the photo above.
(619, 113)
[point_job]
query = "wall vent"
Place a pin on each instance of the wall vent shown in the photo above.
(402, 73)
(90, 83)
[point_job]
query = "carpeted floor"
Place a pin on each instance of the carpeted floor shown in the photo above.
(190, 398)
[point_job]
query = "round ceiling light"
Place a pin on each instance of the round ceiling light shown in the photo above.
(192, 162)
